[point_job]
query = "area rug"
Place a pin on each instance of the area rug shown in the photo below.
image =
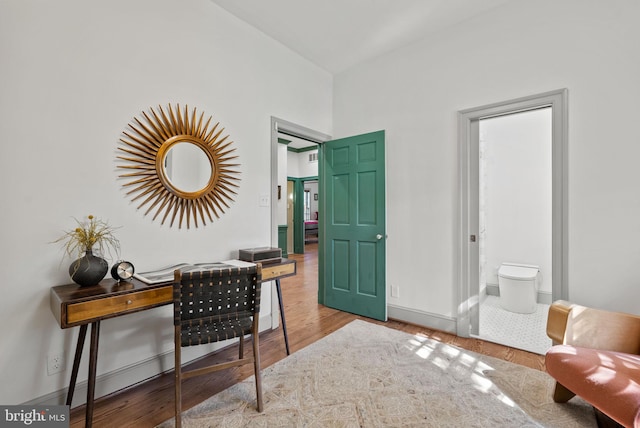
(367, 375)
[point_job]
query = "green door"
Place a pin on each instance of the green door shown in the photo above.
(352, 248)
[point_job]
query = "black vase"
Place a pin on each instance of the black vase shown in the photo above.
(88, 269)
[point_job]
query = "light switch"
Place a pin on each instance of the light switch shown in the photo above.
(264, 201)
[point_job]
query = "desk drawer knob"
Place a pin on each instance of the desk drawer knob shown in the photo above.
(129, 302)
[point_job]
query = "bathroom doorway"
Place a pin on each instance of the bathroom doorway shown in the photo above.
(515, 183)
(513, 209)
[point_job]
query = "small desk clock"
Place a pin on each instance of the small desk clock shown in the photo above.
(122, 270)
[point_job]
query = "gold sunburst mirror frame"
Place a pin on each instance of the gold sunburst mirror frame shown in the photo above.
(146, 150)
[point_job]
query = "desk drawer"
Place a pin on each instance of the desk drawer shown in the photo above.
(117, 305)
(278, 271)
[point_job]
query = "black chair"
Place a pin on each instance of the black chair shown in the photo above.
(212, 306)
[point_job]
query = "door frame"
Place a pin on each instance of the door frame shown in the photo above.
(283, 126)
(468, 137)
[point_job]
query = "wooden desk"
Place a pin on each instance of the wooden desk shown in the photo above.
(73, 306)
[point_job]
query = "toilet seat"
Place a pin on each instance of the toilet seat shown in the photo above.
(520, 272)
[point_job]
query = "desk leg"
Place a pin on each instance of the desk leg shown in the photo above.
(76, 363)
(93, 363)
(284, 323)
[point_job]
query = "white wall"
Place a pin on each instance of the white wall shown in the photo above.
(307, 168)
(74, 74)
(515, 193)
(298, 164)
(519, 49)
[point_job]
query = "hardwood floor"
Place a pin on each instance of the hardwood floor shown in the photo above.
(151, 402)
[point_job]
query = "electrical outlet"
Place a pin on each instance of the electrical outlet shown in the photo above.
(55, 363)
(395, 291)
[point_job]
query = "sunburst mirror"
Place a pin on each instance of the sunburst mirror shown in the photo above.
(178, 165)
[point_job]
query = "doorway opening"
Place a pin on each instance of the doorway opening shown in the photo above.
(311, 213)
(488, 230)
(287, 184)
(515, 177)
(302, 211)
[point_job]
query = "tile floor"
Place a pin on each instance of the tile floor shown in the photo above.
(522, 331)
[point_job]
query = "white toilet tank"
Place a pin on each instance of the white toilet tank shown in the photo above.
(518, 284)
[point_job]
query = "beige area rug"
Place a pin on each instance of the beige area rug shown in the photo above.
(367, 375)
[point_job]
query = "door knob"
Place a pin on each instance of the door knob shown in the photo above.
(378, 237)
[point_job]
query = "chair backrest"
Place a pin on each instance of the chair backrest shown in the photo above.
(216, 294)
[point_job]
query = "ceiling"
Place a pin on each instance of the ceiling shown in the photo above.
(295, 142)
(338, 34)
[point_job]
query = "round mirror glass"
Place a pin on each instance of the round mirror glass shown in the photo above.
(187, 167)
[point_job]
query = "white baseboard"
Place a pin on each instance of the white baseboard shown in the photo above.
(429, 320)
(543, 296)
(124, 377)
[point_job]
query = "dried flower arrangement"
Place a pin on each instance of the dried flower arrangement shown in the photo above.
(91, 234)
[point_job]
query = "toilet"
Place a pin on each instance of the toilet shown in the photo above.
(518, 284)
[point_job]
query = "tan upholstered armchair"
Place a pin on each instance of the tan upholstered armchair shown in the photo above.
(595, 356)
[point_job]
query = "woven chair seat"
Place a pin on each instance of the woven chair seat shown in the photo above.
(213, 329)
